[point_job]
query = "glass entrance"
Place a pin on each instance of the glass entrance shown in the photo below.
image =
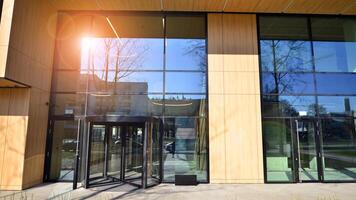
(116, 153)
(121, 152)
(306, 151)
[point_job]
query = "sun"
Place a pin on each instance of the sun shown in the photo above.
(88, 43)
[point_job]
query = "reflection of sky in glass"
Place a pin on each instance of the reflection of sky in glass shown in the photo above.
(337, 104)
(335, 56)
(147, 54)
(133, 53)
(336, 83)
(184, 82)
(185, 54)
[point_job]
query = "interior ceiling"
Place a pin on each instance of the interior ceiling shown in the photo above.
(346, 7)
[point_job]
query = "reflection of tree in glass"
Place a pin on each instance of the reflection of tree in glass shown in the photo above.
(121, 56)
(197, 49)
(284, 58)
(313, 108)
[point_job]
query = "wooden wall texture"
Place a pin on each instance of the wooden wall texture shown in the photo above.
(235, 134)
(29, 60)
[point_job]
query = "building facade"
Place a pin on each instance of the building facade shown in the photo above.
(151, 91)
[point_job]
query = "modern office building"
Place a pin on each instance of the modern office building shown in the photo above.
(165, 91)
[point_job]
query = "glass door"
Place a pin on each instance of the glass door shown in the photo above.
(306, 152)
(97, 154)
(115, 154)
(133, 154)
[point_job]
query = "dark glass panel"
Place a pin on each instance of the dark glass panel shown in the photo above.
(280, 27)
(287, 83)
(336, 84)
(184, 82)
(125, 105)
(286, 56)
(339, 149)
(122, 54)
(69, 81)
(286, 106)
(68, 104)
(185, 26)
(126, 82)
(185, 105)
(64, 144)
(337, 106)
(333, 29)
(278, 150)
(128, 26)
(185, 148)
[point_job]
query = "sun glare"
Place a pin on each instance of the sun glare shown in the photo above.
(88, 43)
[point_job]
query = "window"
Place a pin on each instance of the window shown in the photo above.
(308, 76)
(139, 65)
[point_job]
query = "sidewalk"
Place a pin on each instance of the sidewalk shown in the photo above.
(305, 191)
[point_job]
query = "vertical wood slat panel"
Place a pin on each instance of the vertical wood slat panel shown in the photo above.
(216, 118)
(235, 134)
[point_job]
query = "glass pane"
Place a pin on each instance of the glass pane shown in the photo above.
(114, 152)
(280, 106)
(278, 27)
(185, 149)
(286, 56)
(125, 105)
(336, 84)
(288, 83)
(184, 82)
(126, 82)
(186, 54)
(69, 81)
(335, 44)
(308, 167)
(64, 144)
(68, 104)
(337, 106)
(185, 105)
(333, 29)
(185, 26)
(134, 154)
(153, 153)
(97, 152)
(339, 149)
(278, 150)
(122, 54)
(335, 56)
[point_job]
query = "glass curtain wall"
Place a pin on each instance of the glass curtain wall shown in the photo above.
(308, 67)
(137, 65)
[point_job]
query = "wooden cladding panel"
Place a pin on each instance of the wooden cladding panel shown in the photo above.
(193, 5)
(14, 117)
(263, 6)
(31, 46)
(319, 6)
(5, 29)
(235, 135)
(150, 5)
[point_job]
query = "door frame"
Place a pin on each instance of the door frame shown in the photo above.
(296, 152)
